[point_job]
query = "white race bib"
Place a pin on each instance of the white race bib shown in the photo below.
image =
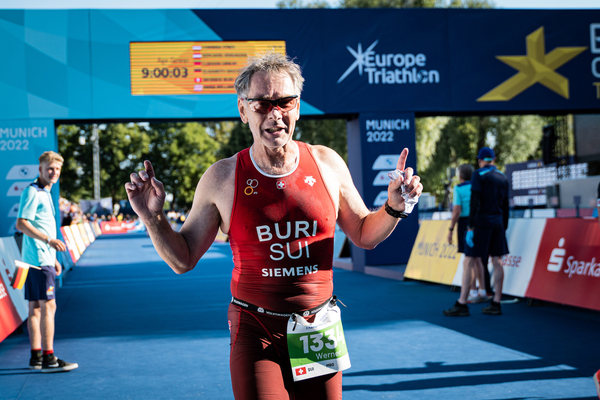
(317, 348)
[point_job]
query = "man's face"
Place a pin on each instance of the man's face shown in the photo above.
(50, 172)
(276, 128)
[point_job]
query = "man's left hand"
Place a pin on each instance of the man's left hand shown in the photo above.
(412, 182)
(58, 268)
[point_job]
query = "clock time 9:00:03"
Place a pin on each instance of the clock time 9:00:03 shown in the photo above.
(176, 72)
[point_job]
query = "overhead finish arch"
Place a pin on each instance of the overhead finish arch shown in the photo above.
(380, 64)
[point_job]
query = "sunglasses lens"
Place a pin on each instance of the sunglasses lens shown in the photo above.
(287, 104)
(261, 107)
(264, 106)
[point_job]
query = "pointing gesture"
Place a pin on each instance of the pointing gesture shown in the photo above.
(412, 184)
(146, 193)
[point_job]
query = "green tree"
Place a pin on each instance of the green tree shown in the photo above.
(514, 139)
(120, 151)
(238, 138)
(326, 132)
(180, 153)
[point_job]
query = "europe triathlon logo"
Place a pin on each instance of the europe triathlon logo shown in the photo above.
(390, 68)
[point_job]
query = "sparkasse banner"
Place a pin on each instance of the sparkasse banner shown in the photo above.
(567, 268)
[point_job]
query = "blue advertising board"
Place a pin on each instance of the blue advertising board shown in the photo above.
(21, 144)
(383, 136)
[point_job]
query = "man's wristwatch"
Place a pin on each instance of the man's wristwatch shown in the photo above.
(48, 240)
(394, 213)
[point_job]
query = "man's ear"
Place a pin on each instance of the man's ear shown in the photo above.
(242, 110)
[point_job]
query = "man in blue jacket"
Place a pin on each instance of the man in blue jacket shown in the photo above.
(486, 232)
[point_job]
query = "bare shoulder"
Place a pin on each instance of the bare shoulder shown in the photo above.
(220, 172)
(215, 192)
(328, 158)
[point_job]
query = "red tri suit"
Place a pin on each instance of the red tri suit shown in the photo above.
(281, 235)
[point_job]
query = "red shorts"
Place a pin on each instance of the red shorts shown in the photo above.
(260, 365)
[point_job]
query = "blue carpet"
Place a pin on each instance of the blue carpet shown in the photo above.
(139, 331)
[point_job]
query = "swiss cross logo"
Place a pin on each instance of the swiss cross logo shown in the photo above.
(280, 184)
(300, 371)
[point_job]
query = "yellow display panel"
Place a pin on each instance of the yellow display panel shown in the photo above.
(174, 68)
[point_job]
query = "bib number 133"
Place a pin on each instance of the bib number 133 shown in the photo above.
(317, 350)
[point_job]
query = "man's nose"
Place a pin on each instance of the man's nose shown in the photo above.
(276, 108)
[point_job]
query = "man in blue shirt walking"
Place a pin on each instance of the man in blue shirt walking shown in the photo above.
(486, 232)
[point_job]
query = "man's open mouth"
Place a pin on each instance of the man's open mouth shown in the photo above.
(275, 129)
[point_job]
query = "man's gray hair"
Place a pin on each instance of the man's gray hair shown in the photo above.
(271, 63)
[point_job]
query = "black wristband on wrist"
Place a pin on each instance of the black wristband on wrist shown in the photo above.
(394, 213)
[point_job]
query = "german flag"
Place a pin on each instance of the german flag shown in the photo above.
(20, 275)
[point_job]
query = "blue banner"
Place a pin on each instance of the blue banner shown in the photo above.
(383, 137)
(21, 144)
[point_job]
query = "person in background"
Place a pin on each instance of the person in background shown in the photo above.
(461, 202)
(36, 219)
(486, 233)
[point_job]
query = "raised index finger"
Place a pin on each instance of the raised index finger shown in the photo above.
(402, 160)
(149, 169)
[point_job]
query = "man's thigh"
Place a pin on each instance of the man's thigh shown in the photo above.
(260, 365)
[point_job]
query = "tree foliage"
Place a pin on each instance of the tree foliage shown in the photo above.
(121, 149)
(180, 153)
(513, 138)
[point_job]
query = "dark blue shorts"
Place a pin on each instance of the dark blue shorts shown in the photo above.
(40, 285)
(489, 241)
(462, 224)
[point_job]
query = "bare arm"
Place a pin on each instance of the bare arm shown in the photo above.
(181, 250)
(366, 228)
(456, 210)
(28, 229)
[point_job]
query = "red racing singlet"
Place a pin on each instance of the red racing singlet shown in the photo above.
(281, 235)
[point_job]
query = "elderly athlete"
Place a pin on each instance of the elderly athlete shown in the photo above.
(279, 201)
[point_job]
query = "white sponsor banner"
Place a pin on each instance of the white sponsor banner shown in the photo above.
(381, 198)
(14, 211)
(17, 188)
(386, 162)
(20, 172)
(382, 179)
(523, 237)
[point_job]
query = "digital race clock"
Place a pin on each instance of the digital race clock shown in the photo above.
(173, 68)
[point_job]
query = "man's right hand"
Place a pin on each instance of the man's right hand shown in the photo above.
(57, 245)
(146, 194)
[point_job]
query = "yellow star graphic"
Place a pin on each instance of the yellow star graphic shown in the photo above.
(535, 67)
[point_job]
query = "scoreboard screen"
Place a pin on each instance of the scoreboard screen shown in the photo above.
(175, 68)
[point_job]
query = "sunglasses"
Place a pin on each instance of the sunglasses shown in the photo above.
(264, 106)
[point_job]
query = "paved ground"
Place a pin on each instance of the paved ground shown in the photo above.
(138, 331)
